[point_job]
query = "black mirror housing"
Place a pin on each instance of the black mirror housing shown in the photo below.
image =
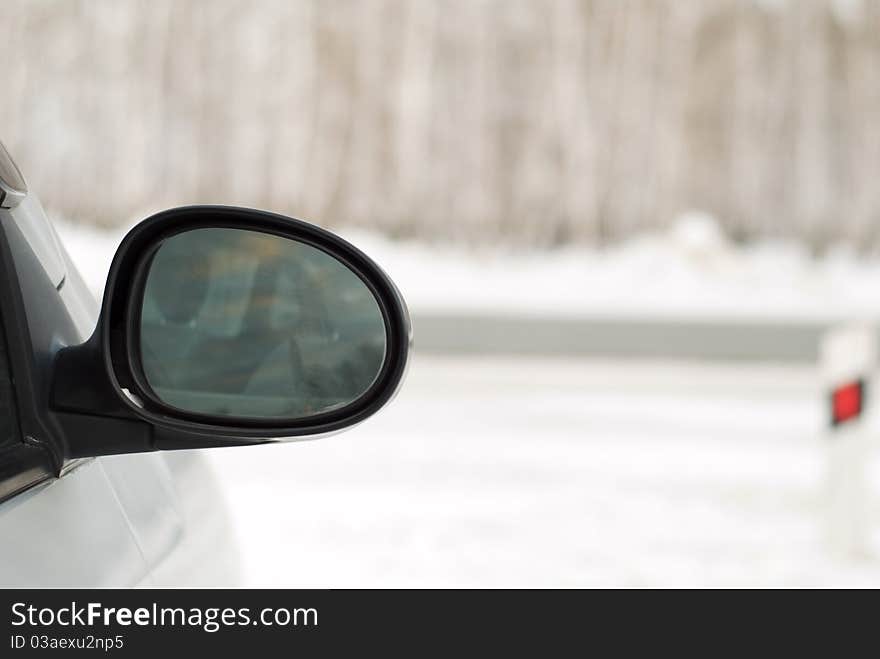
(99, 394)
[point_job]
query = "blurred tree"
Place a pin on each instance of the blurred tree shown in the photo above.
(525, 121)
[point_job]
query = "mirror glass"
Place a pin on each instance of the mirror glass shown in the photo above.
(247, 324)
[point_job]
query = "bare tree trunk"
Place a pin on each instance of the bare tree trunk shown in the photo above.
(522, 121)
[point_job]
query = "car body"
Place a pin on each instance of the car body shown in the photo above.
(81, 504)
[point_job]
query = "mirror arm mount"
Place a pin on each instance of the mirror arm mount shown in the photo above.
(80, 383)
(92, 418)
(95, 422)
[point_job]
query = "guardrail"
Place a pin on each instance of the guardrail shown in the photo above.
(717, 339)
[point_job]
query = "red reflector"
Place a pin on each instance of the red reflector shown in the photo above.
(847, 402)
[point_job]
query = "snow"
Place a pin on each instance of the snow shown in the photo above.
(691, 272)
(539, 473)
(681, 274)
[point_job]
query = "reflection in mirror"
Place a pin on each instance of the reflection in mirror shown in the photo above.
(246, 324)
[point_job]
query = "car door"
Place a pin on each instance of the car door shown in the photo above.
(65, 531)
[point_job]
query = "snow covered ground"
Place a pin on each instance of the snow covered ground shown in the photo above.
(553, 473)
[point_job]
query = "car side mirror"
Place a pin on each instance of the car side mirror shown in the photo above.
(225, 326)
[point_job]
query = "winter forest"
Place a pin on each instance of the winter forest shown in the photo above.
(525, 122)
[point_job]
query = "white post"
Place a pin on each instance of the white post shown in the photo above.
(849, 357)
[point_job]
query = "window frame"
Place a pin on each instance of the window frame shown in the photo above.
(27, 462)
